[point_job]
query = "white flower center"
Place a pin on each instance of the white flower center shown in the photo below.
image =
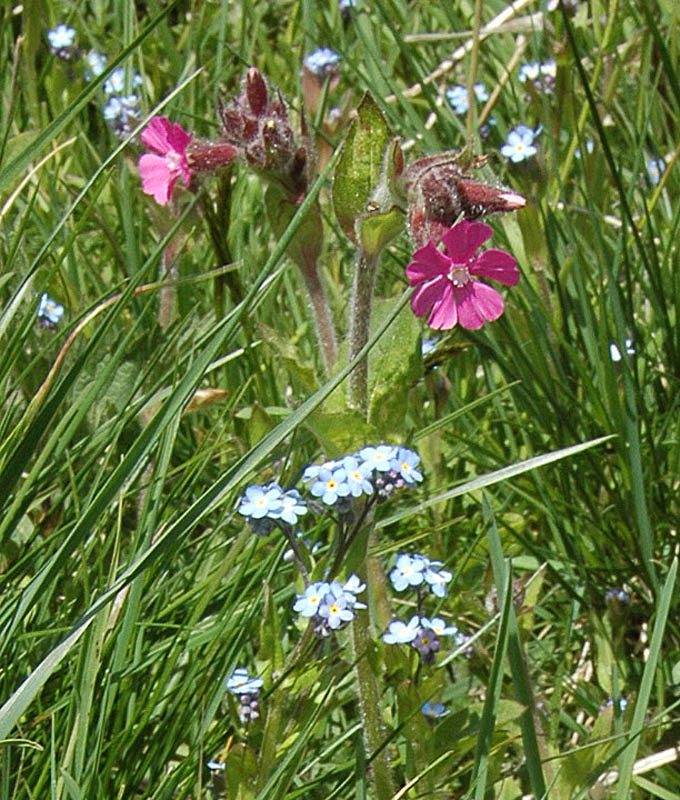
(459, 275)
(174, 161)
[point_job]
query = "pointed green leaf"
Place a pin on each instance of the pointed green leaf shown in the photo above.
(358, 171)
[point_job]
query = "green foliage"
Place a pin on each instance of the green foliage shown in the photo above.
(186, 368)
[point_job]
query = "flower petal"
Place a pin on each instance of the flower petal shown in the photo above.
(497, 265)
(427, 294)
(444, 314)
(463, 239)
(157, 179)
(477, 304)
(427, 263)
(156, 135)
(178, 138)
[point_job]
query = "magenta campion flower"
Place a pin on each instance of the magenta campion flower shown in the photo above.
(159, 170)
(445, 279)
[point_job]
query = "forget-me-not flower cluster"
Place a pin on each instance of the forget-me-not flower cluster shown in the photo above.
(247, 690)
(374, 469)
(540, 75)
(330, 604)
(459, 99)
(61, 41)
(269, 506)
(423, 634)
(322, 62)
(416, 570)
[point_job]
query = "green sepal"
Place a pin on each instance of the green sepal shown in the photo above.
(305, 246)
(375, 229)
(357, 174)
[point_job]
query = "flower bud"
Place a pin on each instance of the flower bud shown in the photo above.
(439, 192)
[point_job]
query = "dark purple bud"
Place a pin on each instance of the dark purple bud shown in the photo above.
(256, 91)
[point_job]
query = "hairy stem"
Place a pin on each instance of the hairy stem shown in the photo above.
(360, 326)
(323, 320)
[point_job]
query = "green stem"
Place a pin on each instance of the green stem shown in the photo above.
(323, 319)
(370, 702)
(360, 326)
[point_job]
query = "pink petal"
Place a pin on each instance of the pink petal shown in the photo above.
(156, 135)
(178, 138)
(156, 177)
(477, 304)
(444, 312)
(464, 239)
(497, 265)
(427, 295)
(427, 263)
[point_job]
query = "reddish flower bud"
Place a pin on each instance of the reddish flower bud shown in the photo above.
(256, 124)
(439, 192)
(206, 156)
(256, 91)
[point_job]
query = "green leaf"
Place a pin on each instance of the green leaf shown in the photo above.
(358, 171)
(394, 366)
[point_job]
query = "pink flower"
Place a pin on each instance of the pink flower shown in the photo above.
(445, 283)
(159, 172)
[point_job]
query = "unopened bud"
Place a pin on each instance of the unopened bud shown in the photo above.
(256, 91)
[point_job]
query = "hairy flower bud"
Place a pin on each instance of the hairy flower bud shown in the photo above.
(205, 156)
(256, 123)
(439, 191)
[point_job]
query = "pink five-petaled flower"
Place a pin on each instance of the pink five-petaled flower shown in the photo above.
(159, 172)
(445, 279)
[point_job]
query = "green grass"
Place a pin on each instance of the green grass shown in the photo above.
(130, 589)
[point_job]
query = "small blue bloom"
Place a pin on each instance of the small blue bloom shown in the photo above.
(357, 476)
(50, 313)
(405, 464)
(335, 609)
(655, 169)
(434, 710)
(322, 62)
(408, 571)
(307, 604)
(378, 458)
(520, 144)
(215, 766)
(330, 485)
(115, 83)
(241, 683)
(262, 501)
(437, 578)
(120, 110)
(312, 471)
(348, 592)
(61, 37)
(529, 72)
(293, 506)
(354, 585)
(426, 643)
(459, 99)
(440, 627)
(96, 63)
(399, 632)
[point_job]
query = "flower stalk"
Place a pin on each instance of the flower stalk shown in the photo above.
(361, 303)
